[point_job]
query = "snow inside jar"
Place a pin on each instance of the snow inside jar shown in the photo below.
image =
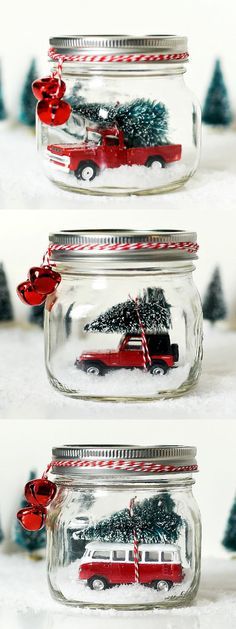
(125, 323)
(134, 126)
(124, 529)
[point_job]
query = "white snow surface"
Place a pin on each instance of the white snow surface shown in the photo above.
(24, 595)
(26, 393)
(24, 185)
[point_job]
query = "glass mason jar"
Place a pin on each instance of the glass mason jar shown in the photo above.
(125, 323)
(124, 529)
(134, 127)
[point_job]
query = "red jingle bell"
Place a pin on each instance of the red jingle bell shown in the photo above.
(28, 295)
(32, 518)
(43, 279)
(47, 87)
(40, 491)
(53, 111)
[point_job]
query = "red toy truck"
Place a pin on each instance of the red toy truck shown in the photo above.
(105, 148)
(130, 355)
(105, 564)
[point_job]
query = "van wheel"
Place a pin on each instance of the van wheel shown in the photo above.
(96, 369)
(98, 584)
(86, 171)
(162, 586)
(159, 369)
(157, 159)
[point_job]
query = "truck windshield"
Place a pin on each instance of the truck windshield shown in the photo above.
(93, 137)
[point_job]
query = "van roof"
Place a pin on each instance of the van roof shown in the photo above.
(124, 546)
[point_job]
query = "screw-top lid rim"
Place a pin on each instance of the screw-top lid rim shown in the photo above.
(85, 238)
(162, 44)
(171, 454)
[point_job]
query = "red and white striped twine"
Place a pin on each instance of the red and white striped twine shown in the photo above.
(121, 464)
(187, 247)
(146, 356)
(110, 58)
(136, 550)
(116, 57)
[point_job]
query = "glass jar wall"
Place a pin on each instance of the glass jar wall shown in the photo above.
(119, 538)
(134, 127)
(126, 321)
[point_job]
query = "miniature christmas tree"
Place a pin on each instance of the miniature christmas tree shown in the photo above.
(143, 122)
(154, 520)
(6, 311)
(217, 110)
(32, 541)
(214, 307)
(152, 308)
(229, 540)
(36, 315)
(27, 108)
(3, 113)
(75, 97)
(102, 114)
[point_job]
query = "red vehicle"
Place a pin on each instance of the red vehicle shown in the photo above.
(105, 148)
(105, 564)
(129, 355)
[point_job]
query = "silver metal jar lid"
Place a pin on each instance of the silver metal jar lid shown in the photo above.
(105, 459)
(105, 44)
(160, 244)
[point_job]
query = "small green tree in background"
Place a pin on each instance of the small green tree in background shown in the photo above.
(229, 539)
(1, 534)
(154, 519)
(30, 541)
(217, 110)
(3, 113)
(27, 102)
(214, 307)
(6, 310)
(36, 315)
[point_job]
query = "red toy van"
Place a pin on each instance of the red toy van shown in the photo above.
(105, 564)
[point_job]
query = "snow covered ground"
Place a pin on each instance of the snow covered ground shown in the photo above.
(25, 601)
(24, 185)
(25, 391)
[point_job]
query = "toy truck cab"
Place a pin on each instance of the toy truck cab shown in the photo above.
(105, 148)
(129, 355)
(105, 564)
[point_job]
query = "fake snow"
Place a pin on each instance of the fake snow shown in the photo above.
(125, 177)
(120, 382)
(24, 185)
(23, 380)
(24, 592)
(74, 589)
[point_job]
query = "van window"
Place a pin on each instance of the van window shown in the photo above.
(134, 344)
(131, 556)
(118, 555)
(167, 556)
(152, 556)
(101, 554)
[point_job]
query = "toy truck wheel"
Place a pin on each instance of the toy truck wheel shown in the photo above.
(162, 586)
(98, 583)
(86, 171)
(158, 369)
(157, 159)
(97, 369)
